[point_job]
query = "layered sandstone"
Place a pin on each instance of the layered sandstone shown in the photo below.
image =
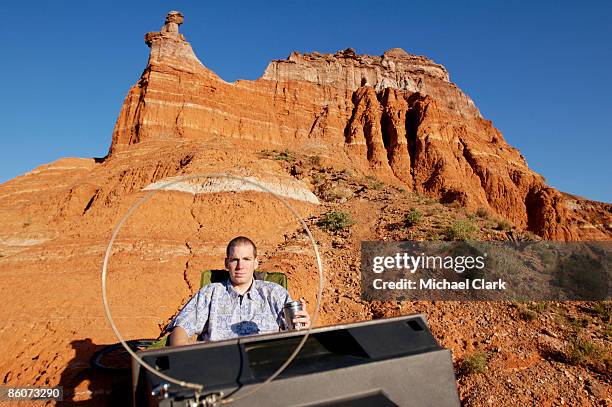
(397, 115)
(395, 69)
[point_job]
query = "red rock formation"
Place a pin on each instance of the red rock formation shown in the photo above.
(397, 114)
(394, 123)
(394, 69)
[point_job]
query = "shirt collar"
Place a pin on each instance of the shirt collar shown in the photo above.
(252, 293)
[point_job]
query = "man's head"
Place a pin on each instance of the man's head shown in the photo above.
(241, 260)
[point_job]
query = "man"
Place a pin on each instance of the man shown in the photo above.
(239, 306)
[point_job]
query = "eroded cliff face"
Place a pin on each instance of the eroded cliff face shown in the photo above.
(395, 69)
(397, 115)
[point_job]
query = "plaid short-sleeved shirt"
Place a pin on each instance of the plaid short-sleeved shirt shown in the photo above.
(218, 312)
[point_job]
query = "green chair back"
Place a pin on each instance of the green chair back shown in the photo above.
(218, 276)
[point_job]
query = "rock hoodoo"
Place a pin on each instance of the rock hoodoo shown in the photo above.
(169, 47)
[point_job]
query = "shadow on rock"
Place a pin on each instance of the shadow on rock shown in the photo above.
(85, 386)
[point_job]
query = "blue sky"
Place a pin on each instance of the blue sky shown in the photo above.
(539, 70)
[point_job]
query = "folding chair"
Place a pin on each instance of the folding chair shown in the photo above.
(218, 276)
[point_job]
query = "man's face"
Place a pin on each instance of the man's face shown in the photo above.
(241, 264)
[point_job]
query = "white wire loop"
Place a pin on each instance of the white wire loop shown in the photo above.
(199, 388)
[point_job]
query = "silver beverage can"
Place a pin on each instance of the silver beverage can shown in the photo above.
(290, 310)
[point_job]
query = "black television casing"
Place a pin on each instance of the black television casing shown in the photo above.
(385, 362)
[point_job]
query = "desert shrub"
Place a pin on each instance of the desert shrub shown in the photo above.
(346, 174)
(578, 324)
(475, 363)
(525, 313)
(266, 153)
(503, 225)
(529, 312)
(284, 156)
(337, 194)
(336, 220)
(374, 183)
(539, 306)
(412, 217)
(317, 179)
(586, 275)
(603, 309)
(427, 200)
(453, 204)
(433, 211)
(482, 213)
(314, 160)
(581, 350)
(461, 229)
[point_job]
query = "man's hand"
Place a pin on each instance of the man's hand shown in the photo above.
(302, 318)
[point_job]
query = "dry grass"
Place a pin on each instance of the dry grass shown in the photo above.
(475, 363)
(462, 229)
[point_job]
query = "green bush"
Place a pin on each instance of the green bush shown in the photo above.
(581, 350)
(374, 183)
(461, 229)
(540, 306)
(530, 311)
(527, 314)
(603, 309)
(482, 213)
(317, 179)
(284, 156)
(578, 324)
(475, 363)
(346, 174)
(336, 220)
(412, 217)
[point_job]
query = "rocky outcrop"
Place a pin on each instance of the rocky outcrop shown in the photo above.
(410, 136)
(169, 47)
(397, 115)
(364, 134)
(177, 99)
(395, 69)
(285, 187)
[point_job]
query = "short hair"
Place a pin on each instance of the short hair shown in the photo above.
(239, 241)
